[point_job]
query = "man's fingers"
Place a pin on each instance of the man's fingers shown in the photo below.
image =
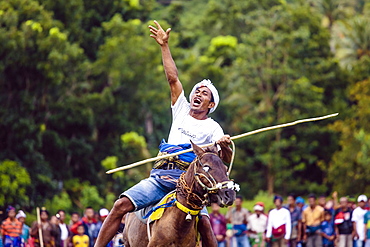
(157, 24)
(153, 32)
(168, 31)
(153, 29)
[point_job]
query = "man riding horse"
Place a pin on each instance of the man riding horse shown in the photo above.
(190, 122)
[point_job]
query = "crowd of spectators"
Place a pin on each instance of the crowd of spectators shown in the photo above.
(54, 230)
(320, 222)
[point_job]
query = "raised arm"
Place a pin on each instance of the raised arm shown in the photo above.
(169, 65)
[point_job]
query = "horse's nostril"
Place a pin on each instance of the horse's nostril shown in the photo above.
(229, 196)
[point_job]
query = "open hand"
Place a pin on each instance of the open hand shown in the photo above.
(159, 34)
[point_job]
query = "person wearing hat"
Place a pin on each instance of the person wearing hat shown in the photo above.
(190, 122)
(257, 225)
(21, 216)
(11, 229)
(358, 220)
(103, 213)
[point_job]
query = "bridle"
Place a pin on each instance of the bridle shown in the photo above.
(187, 191)
(215, 186)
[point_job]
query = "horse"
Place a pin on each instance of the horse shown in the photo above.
(205, 181)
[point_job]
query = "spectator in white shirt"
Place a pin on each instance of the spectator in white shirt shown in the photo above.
(257, 224)
(278, 224)
(358, 220)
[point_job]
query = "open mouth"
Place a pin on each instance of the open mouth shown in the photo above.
(197, 102)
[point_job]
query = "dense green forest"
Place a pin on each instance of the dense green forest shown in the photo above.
(82, 90)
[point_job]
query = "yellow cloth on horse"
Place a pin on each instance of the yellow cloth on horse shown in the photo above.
(157, 214)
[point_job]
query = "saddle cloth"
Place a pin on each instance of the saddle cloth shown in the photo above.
(157, 214)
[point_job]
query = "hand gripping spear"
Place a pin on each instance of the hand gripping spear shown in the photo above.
(232, 138)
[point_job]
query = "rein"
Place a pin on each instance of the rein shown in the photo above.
(194, 200)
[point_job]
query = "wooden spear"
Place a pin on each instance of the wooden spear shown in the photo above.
(232, 138)
(39, 227)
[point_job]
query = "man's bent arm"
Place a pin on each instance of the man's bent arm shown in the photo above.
(169, 65)
(225, 152)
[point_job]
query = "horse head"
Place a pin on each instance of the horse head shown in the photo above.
(209, 179)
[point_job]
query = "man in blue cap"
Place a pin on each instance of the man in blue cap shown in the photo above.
(190, 123)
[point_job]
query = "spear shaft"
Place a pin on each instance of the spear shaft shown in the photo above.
(232, 138)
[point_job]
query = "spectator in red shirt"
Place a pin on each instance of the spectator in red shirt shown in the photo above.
(218, 224)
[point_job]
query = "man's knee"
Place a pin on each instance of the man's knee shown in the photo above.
(123, 206)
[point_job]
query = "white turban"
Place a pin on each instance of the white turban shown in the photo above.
(209, 84)
(20, 214)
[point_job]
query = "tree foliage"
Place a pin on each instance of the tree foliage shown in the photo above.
(83, 90)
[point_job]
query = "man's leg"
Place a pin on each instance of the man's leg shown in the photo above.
(246, 242)
(318, 239)
(310, 242)
(112, 222)
(206, 233)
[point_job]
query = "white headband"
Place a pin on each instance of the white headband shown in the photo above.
(209, 84)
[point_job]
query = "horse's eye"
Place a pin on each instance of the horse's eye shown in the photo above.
(206, 168)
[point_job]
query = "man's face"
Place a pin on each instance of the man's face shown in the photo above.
(278, 203)
(215, 207)
(291, 200)
(54, 220)
(327, 217)
(81, 229)
(201, 100)
(62, 216)
(89, 212)
(75, 218)
(102, 218)
(361, 204)
(238, 202)
(21, 219)
(44, 216)
(11, 213)
(343, 202)
(322, 201)
(312, 201)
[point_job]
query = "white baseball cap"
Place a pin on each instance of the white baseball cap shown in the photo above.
(20, 214)
(258, 208)
(103, 212)
(362, 198)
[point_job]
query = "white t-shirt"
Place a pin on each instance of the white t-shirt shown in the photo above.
(358, 217)
(277, 218)
(63, 231)
(257, 224)
(185, 128)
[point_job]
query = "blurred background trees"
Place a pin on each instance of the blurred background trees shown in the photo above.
(82, 90)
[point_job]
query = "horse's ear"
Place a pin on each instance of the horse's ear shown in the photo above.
(213, 148)
(197, 150)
